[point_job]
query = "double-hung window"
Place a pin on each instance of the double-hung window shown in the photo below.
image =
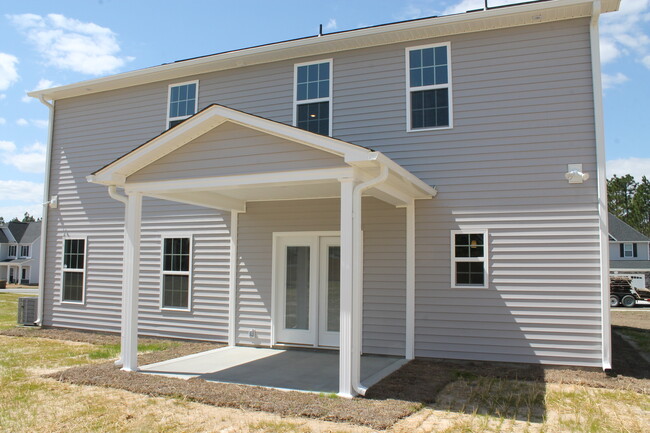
(183, 102)
(469, 259)
(313, 97)
(176, 273)
(429, 87)
(24, 251)
(74, 264)
(628, 250)
(12, 251)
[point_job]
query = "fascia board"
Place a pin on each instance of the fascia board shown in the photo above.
(511, 16)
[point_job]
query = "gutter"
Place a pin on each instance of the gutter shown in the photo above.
(602, 185)
(357, 281)
(46, 206)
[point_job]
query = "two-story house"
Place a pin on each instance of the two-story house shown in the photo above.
(20, 246)
(629, 252)
(426, 188)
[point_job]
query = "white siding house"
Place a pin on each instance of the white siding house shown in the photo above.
(427, 188)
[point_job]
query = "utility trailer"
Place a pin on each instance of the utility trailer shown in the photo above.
(622, 292)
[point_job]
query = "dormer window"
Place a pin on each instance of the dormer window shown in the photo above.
(183, 102)
(313, 97)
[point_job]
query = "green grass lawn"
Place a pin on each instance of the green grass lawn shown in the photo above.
(9, 309)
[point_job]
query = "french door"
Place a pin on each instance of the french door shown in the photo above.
(307, 289)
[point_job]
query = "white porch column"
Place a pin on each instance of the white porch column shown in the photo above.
(232, 296)
(410, 280)
(131, 282)
(347, 266)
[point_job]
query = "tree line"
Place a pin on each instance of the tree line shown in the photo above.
(630, 201)
(27, 218)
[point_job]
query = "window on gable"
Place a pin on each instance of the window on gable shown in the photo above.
(313, 99)
(24, 251)
(469, 263)
(176, 273)
(12, 250)
(429, 87)
(628, 250)
(74, 258)
(183, 102)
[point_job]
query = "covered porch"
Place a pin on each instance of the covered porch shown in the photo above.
(274, 163)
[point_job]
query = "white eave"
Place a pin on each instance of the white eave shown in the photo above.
(491, 19)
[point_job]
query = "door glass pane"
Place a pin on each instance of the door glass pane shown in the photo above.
(333, 288)
(297, 288)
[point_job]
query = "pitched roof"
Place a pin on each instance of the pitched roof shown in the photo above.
(24, 233)
(32, 233)
(632, 265)
(623, 232)
(3, 237)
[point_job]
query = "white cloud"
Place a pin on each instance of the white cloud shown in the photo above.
(3, 120)
(22, 122)
(38, 123)
(637, 167)
(623, 33)
(610, 81)
(2, 96)
(21, 190)
(43, 83)
(71, 44)
(331, 24)
(8, 71)
(646, 61)
(30, 159)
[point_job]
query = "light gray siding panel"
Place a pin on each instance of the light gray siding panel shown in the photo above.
(523, 110)
(233, 149)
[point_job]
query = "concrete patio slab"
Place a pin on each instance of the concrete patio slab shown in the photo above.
(292, 369)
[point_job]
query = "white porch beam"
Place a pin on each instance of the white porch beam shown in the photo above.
(346, 284)
(237, 181)
(410, 280)
(131, 282)
(232, 280)
(206, 199)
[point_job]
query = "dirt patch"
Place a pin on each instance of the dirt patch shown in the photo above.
(378, 414)
(632, 318)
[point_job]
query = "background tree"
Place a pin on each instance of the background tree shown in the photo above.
(640, 212)
(620, 193)
(28, 218)
(2, 220)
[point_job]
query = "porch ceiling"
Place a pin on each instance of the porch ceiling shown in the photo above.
(232, 191)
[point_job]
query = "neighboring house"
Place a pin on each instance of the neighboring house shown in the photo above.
(452, 169)
(629, 251)
(20, 246)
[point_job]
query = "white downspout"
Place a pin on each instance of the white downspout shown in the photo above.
(46, 204)
(357, 272)
(602, 185)
(112, 192)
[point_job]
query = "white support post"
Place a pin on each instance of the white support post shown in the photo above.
(232, 296)
(410, 280)
(131, 281)
(347, 279)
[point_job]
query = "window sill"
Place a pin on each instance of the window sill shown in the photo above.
(468, 286)
(442, 128)
(176, 310)
(74, 302)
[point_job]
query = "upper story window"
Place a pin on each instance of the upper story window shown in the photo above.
(183, 102)
(429, 87)
(12, 251)
(628, 250)
(74, 265)
(24, 251)
(313, 97)
(469, 259)
(176, 273)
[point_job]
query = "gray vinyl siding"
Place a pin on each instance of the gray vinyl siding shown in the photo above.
(641, 249)
(232, 149)
(523, 110)
(384, 275)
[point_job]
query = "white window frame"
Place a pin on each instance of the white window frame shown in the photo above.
(329, 99)
(485, 259)
(169, 100)
(82, 271)
(625, 250)
(410, 89)
(15, 247)
(29, 251)
(175, 235)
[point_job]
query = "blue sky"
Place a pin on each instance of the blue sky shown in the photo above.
(44, 43)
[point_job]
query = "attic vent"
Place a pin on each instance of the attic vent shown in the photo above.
(27, 311)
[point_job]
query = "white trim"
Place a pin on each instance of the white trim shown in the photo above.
(169, 99)
(131, 282)
(410, 281)
(15, 254)
(603, 211)
(82, 271)
(410, 89)
(625, 250)
(29, 251)
(346, 329)
(329, 99)
(485, 259)
(232, 279)
(188, 273)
